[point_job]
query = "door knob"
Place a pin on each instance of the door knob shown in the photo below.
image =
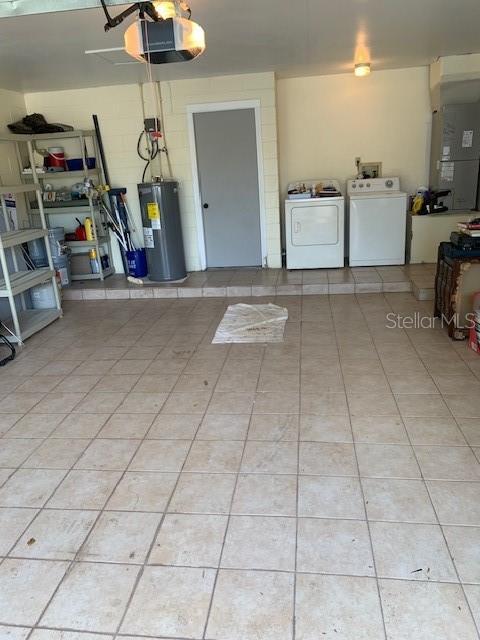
(205, 205)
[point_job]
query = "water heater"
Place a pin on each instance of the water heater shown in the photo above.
(162, 230)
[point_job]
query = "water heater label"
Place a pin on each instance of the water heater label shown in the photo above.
(148, 238)
(153, 211)
(467, 139)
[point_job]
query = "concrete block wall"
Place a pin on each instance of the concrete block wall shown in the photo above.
(120, 113)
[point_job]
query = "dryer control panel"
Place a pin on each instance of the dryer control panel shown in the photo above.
(373, 185)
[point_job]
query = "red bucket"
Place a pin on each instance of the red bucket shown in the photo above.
(55, 159)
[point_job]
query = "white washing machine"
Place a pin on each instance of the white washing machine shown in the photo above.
(377, 221)
(314, 226)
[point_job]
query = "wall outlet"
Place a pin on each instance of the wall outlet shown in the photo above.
(152, 125)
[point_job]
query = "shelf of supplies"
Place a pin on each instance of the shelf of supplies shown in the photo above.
(31, 321)
(93, 276)
(18, 137)
(77, 208)
(23, 280)
(48, 175)
(18, 188)
(15, 238)
(85, 243)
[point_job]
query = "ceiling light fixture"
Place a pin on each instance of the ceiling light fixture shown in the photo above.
(362, 69)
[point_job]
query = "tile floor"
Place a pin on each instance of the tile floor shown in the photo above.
(155, 485)
(418, 278)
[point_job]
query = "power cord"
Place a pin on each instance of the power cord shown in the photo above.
(150, 146)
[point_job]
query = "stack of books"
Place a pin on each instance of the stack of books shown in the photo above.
(470, 228)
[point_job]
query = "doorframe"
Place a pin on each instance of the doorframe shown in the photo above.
(233, 105)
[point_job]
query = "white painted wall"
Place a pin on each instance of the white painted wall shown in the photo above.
(324, 122)
(119, 109)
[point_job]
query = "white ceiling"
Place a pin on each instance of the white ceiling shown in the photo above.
(298, 37)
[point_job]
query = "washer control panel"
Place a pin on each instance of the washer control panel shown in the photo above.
(373, 185)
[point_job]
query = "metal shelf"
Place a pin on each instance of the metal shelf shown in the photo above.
(18, 137)
(93, 276)
(31, 321)
(19, 188)
(62, 210)
(63, 174)
(15, 238)
(23, 280)
(86, 243)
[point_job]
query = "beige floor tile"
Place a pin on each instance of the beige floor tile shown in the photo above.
(16, 633)
(411, 552)
(26, 587)
(160, 383)
(372, 404)
(191, 402)
(55, 535)
(142, 403)
(473, 596)
(30, 487)
(434, 431)
(81, 426)
(7, 420)
(77, 384)
(457, 384)
(20, 402)
(330, 497)
(274, 427)
(236, 614)
(270, 457)
(276, 402)
(143, 491)
(327, 458)
(121, 537)
(471, 430)
(12, 523)
(57, 453)
(422, 406)
(223, 427)
(127, 425)
(170, 601)
(92, 597)
(456, 502)
(84, 490)
(34, 426)
(130, 366)
(325, 428)
(214, 456)
(115, 382)
(447, 463)
(261, 494)
(231, 402)
(160, 455)
(464, 545)
(350, 608)
(111, 455)
(397, 500)
(379, 429)
(188, 382)
(39, 384)
(334, 546)
(15, 451)
(367, 383)
(173, 427)
(260, 542)
(387, 461)
(203, 493)
(420, 610)
(464, 406)
(412, 384)
(189, 540)
(58, 402)
(100, 402)
(324, 403)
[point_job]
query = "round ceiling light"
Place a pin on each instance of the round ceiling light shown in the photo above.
(362, 69)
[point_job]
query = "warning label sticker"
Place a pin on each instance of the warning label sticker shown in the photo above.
(153, 211)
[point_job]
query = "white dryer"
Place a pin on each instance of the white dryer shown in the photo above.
(314, 226)
(377, 222)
